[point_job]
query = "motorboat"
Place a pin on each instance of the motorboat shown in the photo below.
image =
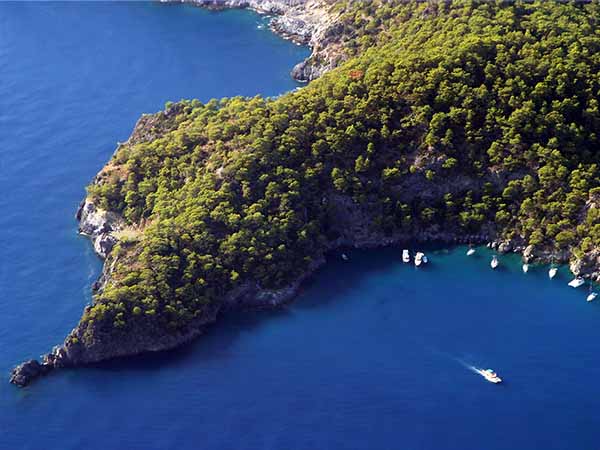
(552, 272)
(577, 282)
(471, 252)
(494, 262)
(592, 296)
(405, 256)
(420, 258)
(491, 376)
(344, 257)
(525, 268)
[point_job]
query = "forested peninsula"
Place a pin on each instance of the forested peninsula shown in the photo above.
(446, 121)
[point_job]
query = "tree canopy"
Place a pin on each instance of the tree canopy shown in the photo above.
(448, 117)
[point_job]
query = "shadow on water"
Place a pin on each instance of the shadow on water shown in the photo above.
(339, 277)
(214, 344)
(328, 285)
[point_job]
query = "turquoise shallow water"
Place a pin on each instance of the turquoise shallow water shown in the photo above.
(373, 354)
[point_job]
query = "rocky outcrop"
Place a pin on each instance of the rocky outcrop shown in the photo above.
(27, 371)
(150, 127)
(588, 265)
(142, 339)
(307, 22)
(99, 226)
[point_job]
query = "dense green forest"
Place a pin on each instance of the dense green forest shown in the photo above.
(448, 119)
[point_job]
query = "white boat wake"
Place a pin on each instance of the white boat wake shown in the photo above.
(488, 374)
(468, 366)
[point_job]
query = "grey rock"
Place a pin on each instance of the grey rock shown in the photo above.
(28, 371)
(99, 225)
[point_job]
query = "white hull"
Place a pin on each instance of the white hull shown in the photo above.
(525, 268)
(405, 256)
(576, 282)
(552, 272)
(592, 297)
(420, 259)
(490, 376)
(494, 263)
(471, 252)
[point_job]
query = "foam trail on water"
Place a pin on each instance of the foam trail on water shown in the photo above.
(468, 366)
(461, 361)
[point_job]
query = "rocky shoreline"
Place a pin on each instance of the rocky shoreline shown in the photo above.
(306, 22)
(100, 225)
(356, 230)
(102, 228)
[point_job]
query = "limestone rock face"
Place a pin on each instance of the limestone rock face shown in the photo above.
(99, 225)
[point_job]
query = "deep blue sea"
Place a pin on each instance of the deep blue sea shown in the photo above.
(374, 354)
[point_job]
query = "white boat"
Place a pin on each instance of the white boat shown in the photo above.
(592, 296)
(405, 256)
(344, 257)
(490, 375)
(420, 258)
(525, 268)
(552, 272)
(471, 252)
(576, 282)
(494, 262)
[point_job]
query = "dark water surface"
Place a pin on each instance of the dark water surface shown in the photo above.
(373, 354)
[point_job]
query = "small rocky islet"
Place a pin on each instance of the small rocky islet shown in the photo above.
(423, 121)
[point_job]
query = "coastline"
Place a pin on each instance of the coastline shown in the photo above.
(101, 227)
(305, 22)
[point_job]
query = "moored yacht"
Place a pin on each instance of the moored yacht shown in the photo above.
(525, 268)
(470, 252)
(592, 295)
(405, 256)
(344, 257)
(552, 272)
(576, 282)
(494, 262)
(420, 258)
